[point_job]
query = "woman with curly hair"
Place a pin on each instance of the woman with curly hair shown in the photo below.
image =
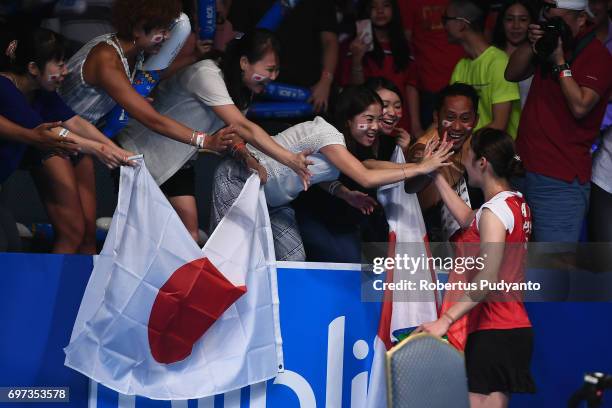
(100, 73)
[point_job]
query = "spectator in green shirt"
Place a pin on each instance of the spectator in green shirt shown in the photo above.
(484, 67)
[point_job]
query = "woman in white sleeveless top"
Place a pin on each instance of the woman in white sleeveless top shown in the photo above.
(100, 73)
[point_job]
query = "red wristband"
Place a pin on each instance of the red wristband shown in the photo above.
(327, 75)
(236, 147)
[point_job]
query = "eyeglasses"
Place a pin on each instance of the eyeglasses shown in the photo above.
(446, 19)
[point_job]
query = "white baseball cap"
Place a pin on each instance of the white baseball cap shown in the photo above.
(574, 5)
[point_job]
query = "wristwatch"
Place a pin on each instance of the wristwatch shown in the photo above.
(559, 68)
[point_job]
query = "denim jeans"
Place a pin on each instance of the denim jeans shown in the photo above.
(558, 208)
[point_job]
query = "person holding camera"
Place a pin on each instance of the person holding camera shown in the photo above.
(561, 118)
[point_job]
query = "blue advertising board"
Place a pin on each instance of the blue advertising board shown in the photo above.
(327, 332)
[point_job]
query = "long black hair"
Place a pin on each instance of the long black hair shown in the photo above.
(397, 38)
(254, 46)
(498, 148)
(499, 34)
(38, 46)
(352, 101)
(377, 83)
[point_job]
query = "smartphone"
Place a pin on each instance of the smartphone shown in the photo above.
(364, 31)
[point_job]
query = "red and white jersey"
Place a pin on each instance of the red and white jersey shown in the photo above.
(500, 310)
(512, 209)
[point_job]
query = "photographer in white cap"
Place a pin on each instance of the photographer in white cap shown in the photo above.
(566, 103)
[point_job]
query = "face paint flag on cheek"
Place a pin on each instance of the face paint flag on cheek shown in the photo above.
(260, 79)
(157, 38)
(165, 319)
(362, 126)
(148, 77)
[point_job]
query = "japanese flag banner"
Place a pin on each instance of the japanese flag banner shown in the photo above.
(164, 319)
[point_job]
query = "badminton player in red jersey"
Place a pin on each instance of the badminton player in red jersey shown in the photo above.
(490, 324)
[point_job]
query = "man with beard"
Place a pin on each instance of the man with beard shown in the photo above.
(455, 117)
(566, 103)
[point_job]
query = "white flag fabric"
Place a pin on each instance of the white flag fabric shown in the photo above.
(406, 226)
(405, 219)
(164, 319)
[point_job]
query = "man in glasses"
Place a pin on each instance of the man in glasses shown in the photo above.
(560, 121)
(483, 68)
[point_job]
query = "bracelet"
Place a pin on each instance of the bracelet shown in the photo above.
(64, 132)
(197, 139)
(328, 75)
(404, 171)
(333, 187)
(565, 73)
(200, 139)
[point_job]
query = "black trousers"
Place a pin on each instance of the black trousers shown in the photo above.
(600, 215)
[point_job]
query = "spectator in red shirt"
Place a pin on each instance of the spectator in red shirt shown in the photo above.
(561, 119)
(390, 57)
(435, 58)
